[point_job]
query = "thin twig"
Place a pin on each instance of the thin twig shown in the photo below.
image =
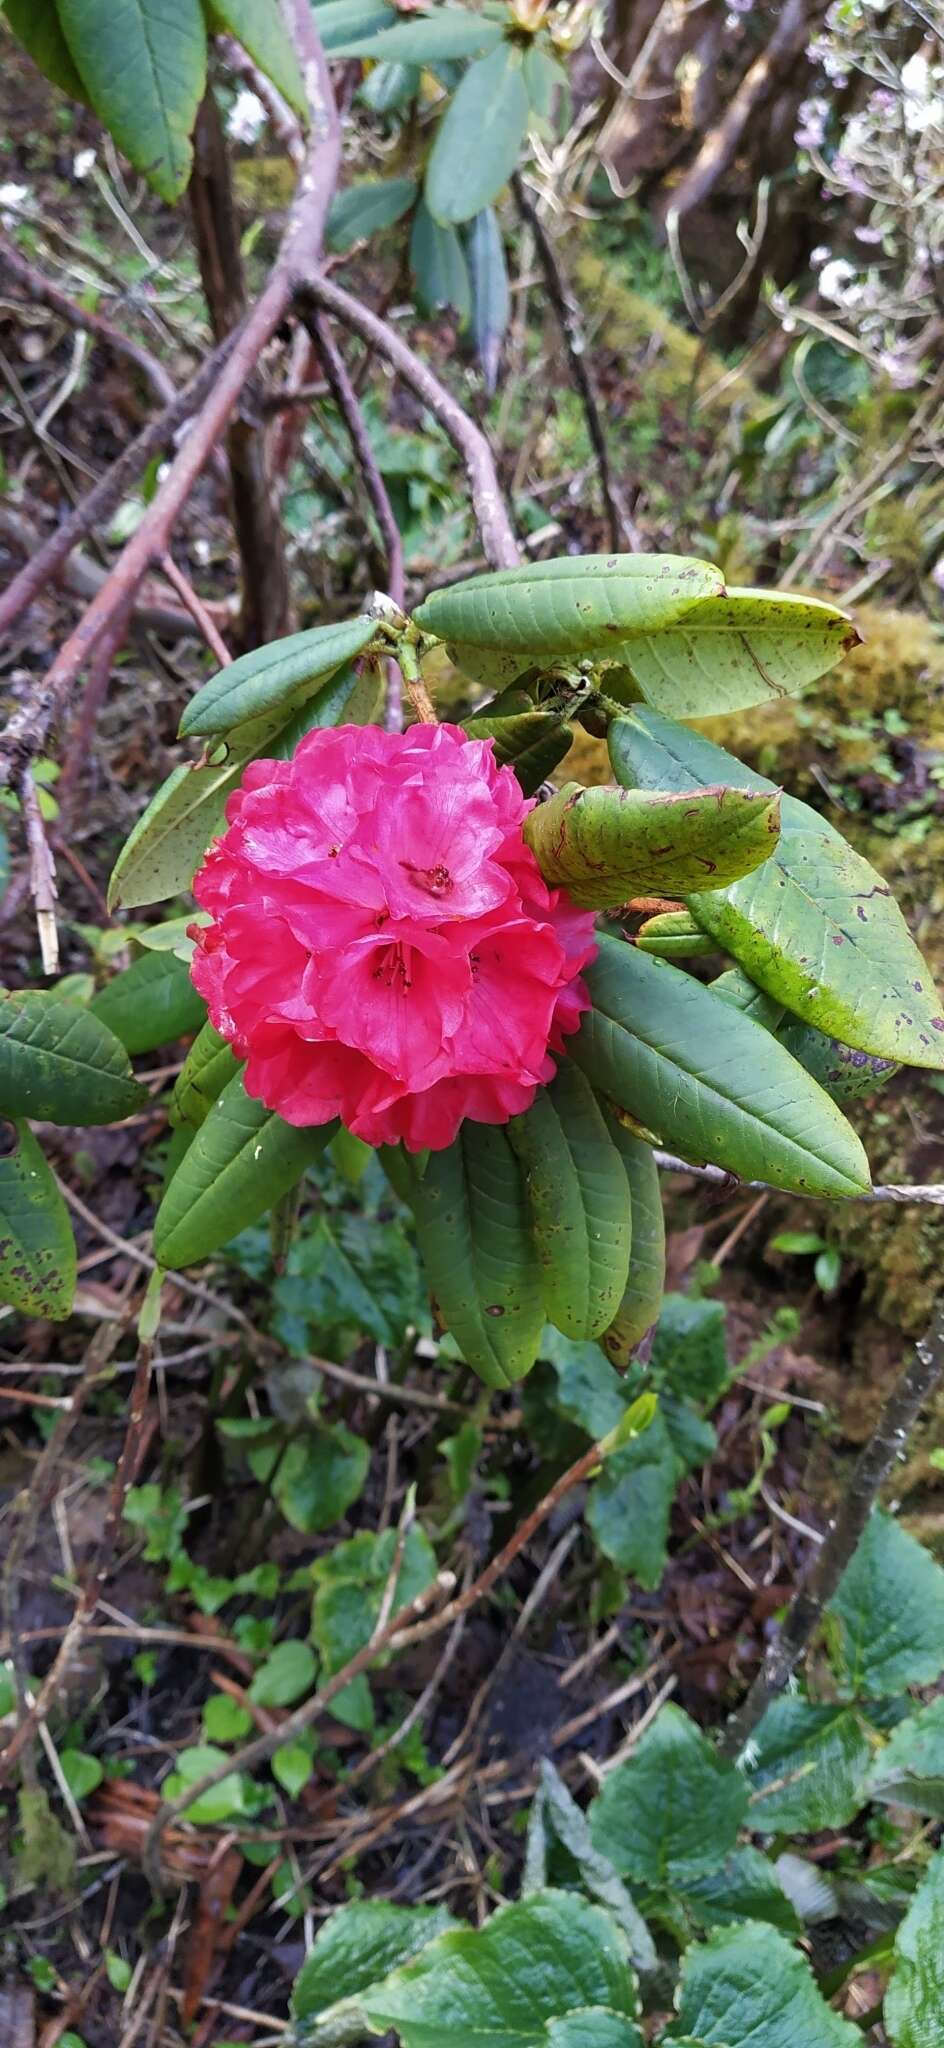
(197, 609)
(42, 873)
(885, 1446)
(44, 292)
(931, 1194)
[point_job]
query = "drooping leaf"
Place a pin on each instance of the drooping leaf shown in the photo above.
(358, 1945)
(744, 1887)
(673, 1810)
(887, 1615)
(502, 1985)
(845, 1074)
(37, 1248)
(152, 1002)
(605, 845)
(816, 927)
(491, 295)
(479, 138)
(913, 2000)
(738, 650)
(36, 25)
(816, 1761)
(278, 677)
(533, 743)
(574, 605)
(748, 1984)
(578, 1203)
(143, 66)
(642, 1298)
(909, 1770)
(442, 36)
(439, 266)
(340, 21)
(364, 209)
(711, 1083)
(208, 1068)
(472, 1230)
(629, 1505)
(242, 1159)
(61, 1063)
(259, 26)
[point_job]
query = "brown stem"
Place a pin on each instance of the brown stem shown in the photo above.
(44, 292)
(884, 1448)
(198, 611)
(348, 404)
(498, 540)
(43, 566)
(266, 604)
(299, 251)
(620, 526)
(791, 34)
(404, 1627)
(929, 1196)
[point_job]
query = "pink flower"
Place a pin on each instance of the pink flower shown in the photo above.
(383, 947)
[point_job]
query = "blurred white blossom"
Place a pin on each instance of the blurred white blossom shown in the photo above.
(247, 116)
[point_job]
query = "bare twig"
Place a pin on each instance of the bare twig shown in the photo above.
(44, 292)
(498, 539)
(885, 1446)
(620, 526)
(42, 872)
(197, 609)
(931, 1195)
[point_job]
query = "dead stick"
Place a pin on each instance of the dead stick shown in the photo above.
(885, 1446)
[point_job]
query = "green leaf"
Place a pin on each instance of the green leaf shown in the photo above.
(816, 1760)
(222, 1803)
(285, 1677)
(473, 1235)
(816, 927)
(561, 1815)
(737, 988)
(259, 26)
(37, 1250)
(606, 845)
(629, 1504)
(887, 1615)
(292, 1768)
(503, 1985)
(440, 37)
(642, 1297)
(578, 1203)
(748, 1985)
(224, 1719)
(360, 1944)
(673, 935)
(339, 21)
(364, 209)
(242, 1159)
(845, 1074)
(491, 294)
(909, 1770)
(83, 1773)
(913, 1998)
(593, 2027)
(61, 1063)
(439, 266)
(571, 605)
(673, 1810)
(351, 1582)
(278, 677)
(533, 743)
(143, 64)
(151, 1003)
(209, 1067)
(320, 1476)
(36, 25)
(736, 651)
(589, 1392)
(711, 1083)
(479, 138)
(690, 1349)
(744, 1887)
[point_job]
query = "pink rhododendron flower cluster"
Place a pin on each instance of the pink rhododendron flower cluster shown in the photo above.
(383, 947)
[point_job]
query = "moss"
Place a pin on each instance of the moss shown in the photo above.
(677, 365)
(45, 1853)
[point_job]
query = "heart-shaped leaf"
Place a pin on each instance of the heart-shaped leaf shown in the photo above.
(61, 1063)
(242, 1159)
(708, 1081)
(816, 927)
(572, 606)
(606, 845)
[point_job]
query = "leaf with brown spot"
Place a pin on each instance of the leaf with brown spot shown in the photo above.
(37, 1248)
(605, 845)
